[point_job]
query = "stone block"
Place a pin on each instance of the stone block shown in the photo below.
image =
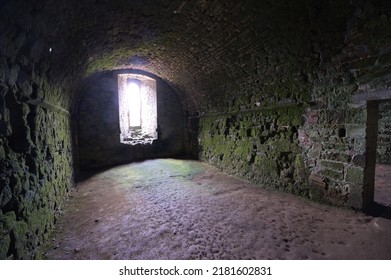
(332, 174)
(317, 180)
(342, 157)
(344, 147)
(301, 171)
(359, 145)
(334, 165)
(315, 151)
(336, 117)
(5, 242)
(354, 175)
(356, 131)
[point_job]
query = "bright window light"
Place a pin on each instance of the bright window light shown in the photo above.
(137, 100)
(133, 96)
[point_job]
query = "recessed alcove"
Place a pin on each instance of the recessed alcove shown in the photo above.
(105, 135)
(137, 109)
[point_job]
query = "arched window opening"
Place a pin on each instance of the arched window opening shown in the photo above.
(137, 109)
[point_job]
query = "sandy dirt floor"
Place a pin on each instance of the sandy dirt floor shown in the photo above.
(181, 209)
(383, 185)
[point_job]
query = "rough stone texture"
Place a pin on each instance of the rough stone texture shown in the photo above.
(99, 131)
(384, 133)
(342, 52)
(35, 174)
(261, 146)
(35, 141)
(273, 81)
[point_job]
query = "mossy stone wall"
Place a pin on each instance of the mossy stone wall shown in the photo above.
(35, 136)
(260, 145)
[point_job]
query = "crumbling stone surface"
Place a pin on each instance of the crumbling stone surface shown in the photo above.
(35, 142)
(261, 146)
(35, 175)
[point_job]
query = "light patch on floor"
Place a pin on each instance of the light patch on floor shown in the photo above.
(180, 209)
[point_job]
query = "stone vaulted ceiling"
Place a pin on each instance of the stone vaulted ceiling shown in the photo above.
(207, 50)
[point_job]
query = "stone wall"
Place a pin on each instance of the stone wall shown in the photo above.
(36, 174)
(35, 138)
(339, 53)
(99, 130)
(259, 145)
(334, 142)
(384, 133)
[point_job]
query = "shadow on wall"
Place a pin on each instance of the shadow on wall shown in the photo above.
(98, 128)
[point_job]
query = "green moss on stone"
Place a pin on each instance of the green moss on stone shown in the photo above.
(259, 145)
(243, 149)
(19, 231)
(291, 116)
(7, 220)
(4, 246)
